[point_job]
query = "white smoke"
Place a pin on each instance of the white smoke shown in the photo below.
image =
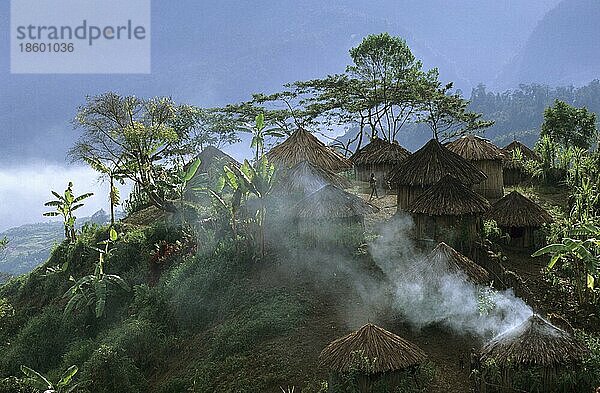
(409, 287)
(425, 296)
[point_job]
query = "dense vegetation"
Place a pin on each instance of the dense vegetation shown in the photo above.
(204, 288)
(519, 113)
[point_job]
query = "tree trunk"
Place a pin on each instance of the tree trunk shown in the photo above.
(112, 201)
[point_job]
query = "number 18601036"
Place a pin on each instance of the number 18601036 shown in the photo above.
(40, 47)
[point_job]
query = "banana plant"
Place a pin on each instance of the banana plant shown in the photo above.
(258, 181)
(63, 385)
(583, 248)
(64, 206)
(185, 176)
(93, 289)
(259, 133)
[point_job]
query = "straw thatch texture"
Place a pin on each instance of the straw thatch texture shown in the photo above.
(536, 342)
(475, 148)
(380, 151)
(305, 178)
(449, 197)
(513, 170)
(446, 258)
(487, 158)
(304, 146)
(331, 202)
(516, 210)
(378, 157)
(384, 350)
(430, 163)
(526, 152)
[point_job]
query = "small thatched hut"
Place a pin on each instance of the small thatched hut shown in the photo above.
(212, 161)
(519, 217)
(304, 146)
(514, 172)
(375, 355)
(378, 157)
(211, 158)
(534, 350)
(449, 211)
(485, 156)
(446, 258)
(427, 166)
(324, 214)
(305, 178)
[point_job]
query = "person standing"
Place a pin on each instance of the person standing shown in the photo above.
(373, 184)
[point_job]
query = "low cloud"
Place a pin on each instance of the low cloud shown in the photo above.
(24, 190)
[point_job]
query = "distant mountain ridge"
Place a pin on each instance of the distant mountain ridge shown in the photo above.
(30, 245)
(564, 48)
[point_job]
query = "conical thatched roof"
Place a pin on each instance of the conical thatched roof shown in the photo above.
(384, 350)
(211, 157)
(536, 342)
(446, 258)
(331, 202)
(430, 163)
(475, 148)
(305, 178)
(526, 152)
(449, 197)
(378, 152)
(304, 146)
(516, 210)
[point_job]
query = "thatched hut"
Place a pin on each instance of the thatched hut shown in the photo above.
(488, 158)
(446, 258)
(519, 217)
(449, 211)
(305, 178)
(212, 158)
(331, 215)
(513, 170)
(533, 353)
(378, 157)
(212, 161)
(373, 356)
(304, 146)
(427, 166)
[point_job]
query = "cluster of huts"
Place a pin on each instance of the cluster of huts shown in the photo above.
(448, 189)
(534, 355)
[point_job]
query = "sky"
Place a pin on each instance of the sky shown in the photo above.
(212, 53)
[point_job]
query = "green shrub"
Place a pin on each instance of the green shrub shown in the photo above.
(15, 385)
(40, 344)
(269, 314)
(110, 370)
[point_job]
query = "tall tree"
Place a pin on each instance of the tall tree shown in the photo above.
(569, 125)
(447, 113)
(146, 141)
(387, 76)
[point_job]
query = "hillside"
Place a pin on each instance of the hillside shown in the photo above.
(571, 26)
(204, 314)
(30, 245)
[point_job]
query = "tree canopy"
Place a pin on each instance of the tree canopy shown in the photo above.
(569, 125)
